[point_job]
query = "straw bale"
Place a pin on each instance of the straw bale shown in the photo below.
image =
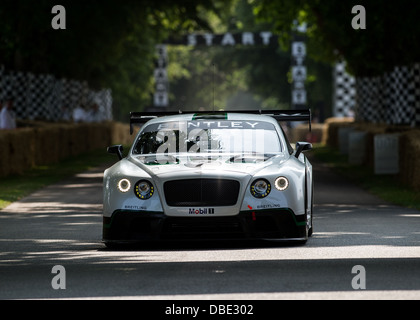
(302, 133)
(121, 134)
(4, 153)
(410, 158)
(331, 130)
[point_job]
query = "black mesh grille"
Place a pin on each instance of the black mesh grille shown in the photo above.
(201, 192)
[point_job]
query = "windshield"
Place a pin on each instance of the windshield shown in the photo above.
(208, 136)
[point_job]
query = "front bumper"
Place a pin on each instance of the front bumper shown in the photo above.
(137, 226)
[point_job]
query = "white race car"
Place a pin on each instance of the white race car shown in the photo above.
(209, 175)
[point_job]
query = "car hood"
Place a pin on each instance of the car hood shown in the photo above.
(225, 165)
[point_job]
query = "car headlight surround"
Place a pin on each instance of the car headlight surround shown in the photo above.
(281, 183)
(124, 185)
(144, 189)
(260, 188)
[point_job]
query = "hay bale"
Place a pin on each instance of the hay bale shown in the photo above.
(23, 149)
(19, 151)
(121, 134)
(331, 131)
(47, 144)
(44, 143)
(302, 133)
(100, 136)
(64, 138)
(371, 130)
(77, 139)
(4, 153)
(409, 158)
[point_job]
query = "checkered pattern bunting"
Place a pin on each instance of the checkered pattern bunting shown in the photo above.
(371, 109)
(44, 97)
(416, 81)
(344, 91)
(393, 98)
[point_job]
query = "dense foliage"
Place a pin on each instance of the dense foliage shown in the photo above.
(107, 43)
(111, 43)
(390, 38)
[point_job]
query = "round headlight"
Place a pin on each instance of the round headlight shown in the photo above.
(144, 189)
(281, 183)
(124, 185)
(260, 188)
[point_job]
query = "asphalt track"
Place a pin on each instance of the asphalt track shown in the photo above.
(61, 225)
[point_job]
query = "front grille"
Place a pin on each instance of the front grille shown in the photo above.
(201, 192)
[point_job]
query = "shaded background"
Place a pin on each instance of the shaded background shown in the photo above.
(111, 45)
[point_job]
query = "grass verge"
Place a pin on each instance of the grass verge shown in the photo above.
(15, 187)
(387, 187)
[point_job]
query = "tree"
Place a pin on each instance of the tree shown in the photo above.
(244, 76)
(390, 38)
(107, 43)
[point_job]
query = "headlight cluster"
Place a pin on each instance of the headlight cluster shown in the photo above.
(143, 189)
(124, 185)
(261, 188)
(281, 183)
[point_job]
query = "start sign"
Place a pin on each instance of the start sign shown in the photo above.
(264, 38)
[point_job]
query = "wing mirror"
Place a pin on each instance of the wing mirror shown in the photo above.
(117, 149)
(302, 147)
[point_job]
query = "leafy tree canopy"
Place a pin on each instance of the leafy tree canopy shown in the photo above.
(111, 43)
(390, 38)
(242, 76)
(107, 43)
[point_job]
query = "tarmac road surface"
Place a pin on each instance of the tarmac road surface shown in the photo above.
(61, 225)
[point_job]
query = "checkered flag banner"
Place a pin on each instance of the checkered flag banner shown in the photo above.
(43, 97)
(416, 84)
(393, 98)
(344, 97)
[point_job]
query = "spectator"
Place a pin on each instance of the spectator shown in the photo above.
(65, 113)
(7, 116)
(94, 114)
(79, 114)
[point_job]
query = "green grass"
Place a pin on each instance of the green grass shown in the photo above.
(15, 187)
(387, 187)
